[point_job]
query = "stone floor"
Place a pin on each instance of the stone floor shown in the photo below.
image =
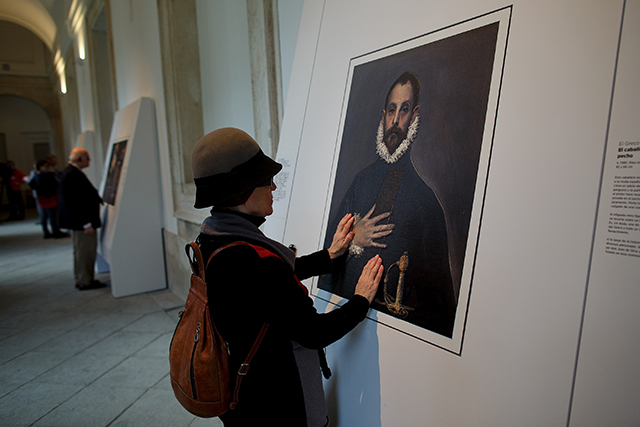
(79, 358)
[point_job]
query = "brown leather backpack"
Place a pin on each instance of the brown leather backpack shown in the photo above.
(198, 355)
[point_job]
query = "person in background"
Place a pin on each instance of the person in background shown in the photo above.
(14, 192)
(46, 186)
(250, 285)
(80, 212)
(53, 161)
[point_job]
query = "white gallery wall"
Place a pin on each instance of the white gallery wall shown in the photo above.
(606, 388)
(521, 361)
(224, 60)
(289, 14)
(87, 138)
(138, 73)
(85, 93)
(225, 64)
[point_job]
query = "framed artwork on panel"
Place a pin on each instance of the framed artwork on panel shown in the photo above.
(411, 164)
(115, 169)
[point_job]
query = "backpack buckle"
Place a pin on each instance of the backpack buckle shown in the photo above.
(244, 368)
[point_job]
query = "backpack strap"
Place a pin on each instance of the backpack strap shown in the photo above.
(195, 259)
(244, 367)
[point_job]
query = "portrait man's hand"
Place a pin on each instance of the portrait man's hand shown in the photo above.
(367, 231)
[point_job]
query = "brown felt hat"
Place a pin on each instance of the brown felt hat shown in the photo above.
(228, 163)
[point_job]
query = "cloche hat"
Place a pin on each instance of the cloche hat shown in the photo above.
(228, 163)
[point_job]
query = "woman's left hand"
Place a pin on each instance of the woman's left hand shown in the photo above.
(342, 238)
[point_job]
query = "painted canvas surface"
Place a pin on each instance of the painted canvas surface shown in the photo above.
(115, 169)
(412, 155)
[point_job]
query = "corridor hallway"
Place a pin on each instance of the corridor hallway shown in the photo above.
(79, 358)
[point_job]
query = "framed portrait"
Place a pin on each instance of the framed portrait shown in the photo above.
(118, 152)
(411, 164)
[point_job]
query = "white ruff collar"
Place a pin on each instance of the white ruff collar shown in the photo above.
(381, 147)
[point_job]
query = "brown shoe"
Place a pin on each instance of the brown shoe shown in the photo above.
(93, 285)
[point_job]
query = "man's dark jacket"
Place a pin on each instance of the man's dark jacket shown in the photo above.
(79, 200)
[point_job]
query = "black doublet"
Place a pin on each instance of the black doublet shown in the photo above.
(420, 232)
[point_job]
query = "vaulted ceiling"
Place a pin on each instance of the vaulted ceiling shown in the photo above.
(34, 16)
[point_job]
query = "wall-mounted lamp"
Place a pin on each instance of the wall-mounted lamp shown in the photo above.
(60, 66)
(75, 26)
(63, 82)
(81, 45)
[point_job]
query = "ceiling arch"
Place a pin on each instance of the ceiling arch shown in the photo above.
(32, 15)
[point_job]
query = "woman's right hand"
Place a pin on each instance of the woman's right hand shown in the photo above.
(370, 278)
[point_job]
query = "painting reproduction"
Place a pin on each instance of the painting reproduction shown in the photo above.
(118, 152)
(411, 165)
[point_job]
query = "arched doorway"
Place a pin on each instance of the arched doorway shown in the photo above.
(26, 129)
(26, 135)
(27, 75)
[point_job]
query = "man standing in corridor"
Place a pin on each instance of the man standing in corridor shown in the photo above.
(80, 212)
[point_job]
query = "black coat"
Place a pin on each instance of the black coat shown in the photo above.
(79, 200)
(245, 291)
(45, 184)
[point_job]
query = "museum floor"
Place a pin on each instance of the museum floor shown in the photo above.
(79, 358)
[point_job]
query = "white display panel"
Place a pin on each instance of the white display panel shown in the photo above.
(524, 314)
(131, 239)
(607, 384)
